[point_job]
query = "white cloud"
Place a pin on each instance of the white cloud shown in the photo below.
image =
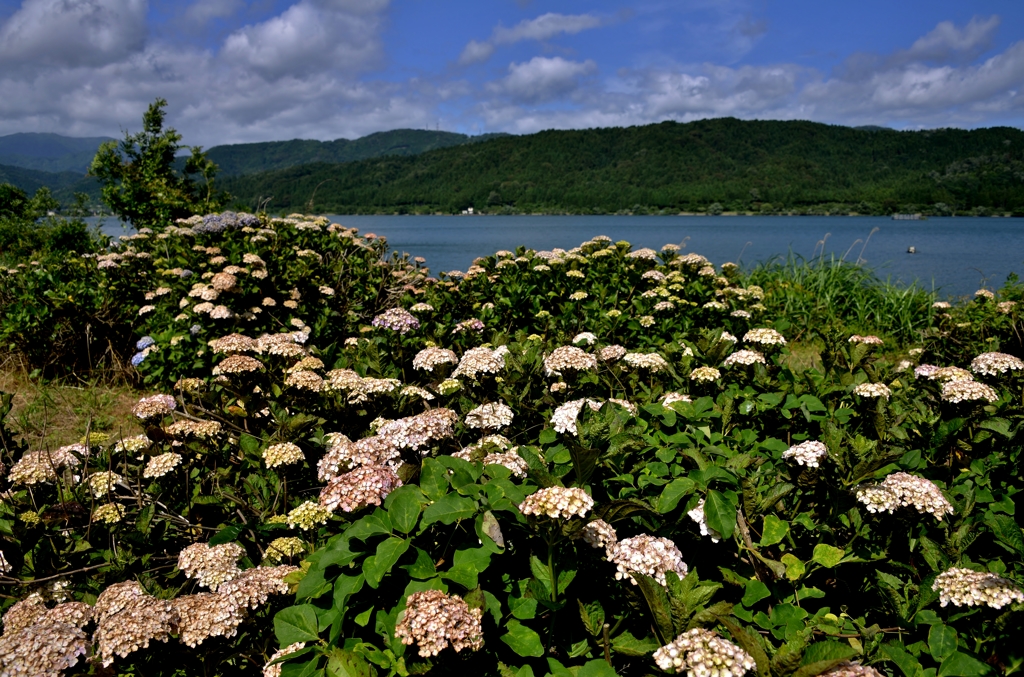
(48, 33)
(202, 12)
(543, 79)
(308, 37)
(946, 41)
(544, 27)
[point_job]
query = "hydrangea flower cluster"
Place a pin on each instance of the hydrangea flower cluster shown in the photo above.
(612, 353)
(429, 358)
(482, 360)
(433, 620)
(808, 453)
(492, 416)
(211, 566)
(765, 337)
(161, 464)
(511, 460)
(568, 357)
(647, 555)
(366, 485)
(902, 489)
(703, 653)
(599, 534)
(652, 362)
(964, 587)
(154, 406)
(272, 669)
(994, 364)
(564, 417)
(557, 503)
(308, 515)
(397, 319)
(285, 453)
(745, 358)
(866, 340)
(968, 391)
(872, 390)
(705, 375)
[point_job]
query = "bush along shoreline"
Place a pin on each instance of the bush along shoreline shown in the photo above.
(594, 462)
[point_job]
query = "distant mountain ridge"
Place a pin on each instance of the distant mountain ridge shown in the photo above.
(49, 152)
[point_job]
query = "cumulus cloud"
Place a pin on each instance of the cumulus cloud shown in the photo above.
(309, 37)
(202, 12)
(48, 33)
(544, 27)
(543, 79)
(946, 42)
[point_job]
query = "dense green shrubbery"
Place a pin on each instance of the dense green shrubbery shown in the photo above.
(389, 435)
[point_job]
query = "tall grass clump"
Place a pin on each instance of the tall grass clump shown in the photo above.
(832, 293)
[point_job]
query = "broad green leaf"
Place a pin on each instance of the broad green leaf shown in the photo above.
(451, 508)
(523, 608)
(296, 624)
(942, 642)
(523, 640)
(403, 506)
(961, 665)
(827, 651)
(720, 513)
(673, 492)
(755, 592)
(342, 663)
(388, 552)
(596, 668)
(774, 530)
(249, 444)
(423, 567)
(906, 663)
(433, 479)
(628, 645)
(547, 436)
(226, 535)
(1006, 531)
(827, 555)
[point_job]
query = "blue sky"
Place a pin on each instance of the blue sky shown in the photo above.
(237, 71)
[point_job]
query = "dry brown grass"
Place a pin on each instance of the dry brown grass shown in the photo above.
(51, 414)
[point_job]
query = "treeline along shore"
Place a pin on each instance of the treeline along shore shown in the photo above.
(709, 166)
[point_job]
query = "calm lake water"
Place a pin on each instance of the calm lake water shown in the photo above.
(955, 255)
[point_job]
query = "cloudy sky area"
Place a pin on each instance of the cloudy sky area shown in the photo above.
(237, 71)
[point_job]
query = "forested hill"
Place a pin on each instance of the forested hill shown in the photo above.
(726, 163)
(246, 158)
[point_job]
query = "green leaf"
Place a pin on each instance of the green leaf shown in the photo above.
(342, 663)
(755, 592)
(296, 624)
(468, 565)
(961, 665)
(433, 479)
(523, 608)
(423, 567)
(827, 651)
(547, 436)
(628, 645)
(827, 555)
(249, 444)
(448, 510)
(1006, 531)
(660, 606)
(227, 534)
(749, 643)
(942, 642)
(720, 513)
(404, 505)
(903, 660)
(774, 530)
(674, 492)
(596, 668)
(592, 615)
(523, 640)
(388, 553)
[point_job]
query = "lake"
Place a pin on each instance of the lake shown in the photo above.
(956, 255)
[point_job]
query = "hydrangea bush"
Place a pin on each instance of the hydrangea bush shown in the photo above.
(589, 462)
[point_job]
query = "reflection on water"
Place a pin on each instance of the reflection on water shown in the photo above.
(955, 255)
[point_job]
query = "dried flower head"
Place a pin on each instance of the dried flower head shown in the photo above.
(511, 460)
(432, 620)
(428, 358)
(206, 615)
(872, 390)
(765, 337)
(492, 416)
(308, 515)
(154, 406)
(566, 358)
(211, 566)
(482, 360)
(45, 649)
(599, 534)
(866, 340)
(652, 362)
(397, 319)
(612, 353)
(234, 343)
(557, 503)
(363, 486)
(203, 430)
(238, 364)
(744, 357)
(968, 391)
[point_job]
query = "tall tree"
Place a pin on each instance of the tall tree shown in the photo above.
(141, 183)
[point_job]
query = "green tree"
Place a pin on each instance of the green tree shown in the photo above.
(140, 181)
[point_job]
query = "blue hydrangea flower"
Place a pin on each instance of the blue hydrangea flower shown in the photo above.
(186, 273)
(139, 358)
(195, 329)
(144, 342)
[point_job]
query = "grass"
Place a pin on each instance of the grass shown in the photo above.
(832, 293)
(51, 414)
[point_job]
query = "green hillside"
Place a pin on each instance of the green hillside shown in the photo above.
(63, 185)
(49, 152)
(762, 165)
(246, 158)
